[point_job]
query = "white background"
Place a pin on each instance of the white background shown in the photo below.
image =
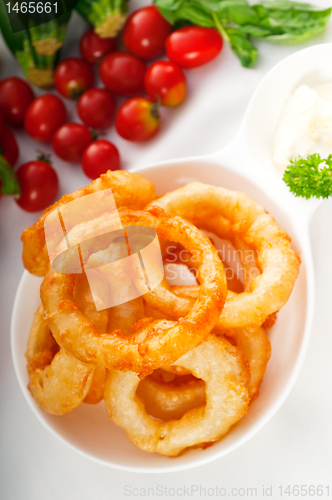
(295, 447)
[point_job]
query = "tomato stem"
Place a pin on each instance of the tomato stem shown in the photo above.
(41, 156)
(155, 110)
(75, 93)
(95, 134)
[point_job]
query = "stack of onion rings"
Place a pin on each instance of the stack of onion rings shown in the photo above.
(235, 216)
(179, 365)
(73, 331)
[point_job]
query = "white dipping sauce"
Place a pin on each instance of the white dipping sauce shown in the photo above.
(305, 126)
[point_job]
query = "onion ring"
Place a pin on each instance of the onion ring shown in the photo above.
(96, 391)
(233, 215)
(99, 319)
(129, 190)
(168, 397)
(256, 348)
(57, 381)
(225, 373)
(162, 343)
(124, 316)
(252, 342)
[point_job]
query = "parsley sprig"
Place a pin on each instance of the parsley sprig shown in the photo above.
(310, 177)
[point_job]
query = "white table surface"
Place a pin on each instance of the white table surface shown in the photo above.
(295, 447)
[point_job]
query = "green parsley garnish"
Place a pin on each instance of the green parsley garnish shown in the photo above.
(310, 177)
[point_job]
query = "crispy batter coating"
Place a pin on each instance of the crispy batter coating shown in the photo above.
(256, 348)
(129, 190)
(225, 373)
(162, 343)
(168, 396)
(235, 216)
(58, 382)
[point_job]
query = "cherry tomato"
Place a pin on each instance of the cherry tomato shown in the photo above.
(123, 73)
(2, 124)
(44, 116)
(193, 46)
(138, 119)
(145, 32)
(99, 157)
(39, 185)
(15, 97)
(9, 146)
(165, 82)
(70, 141)
(96, 108)
(93, 48)
(72, 77)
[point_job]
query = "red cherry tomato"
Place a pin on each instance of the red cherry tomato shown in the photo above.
(138, 119)
(165, 82)
(70, 141)
(99, 157)
(93, 48)
(123, 73)
(145, 32)
(2, 124)
(39, 185)
(72, 77)
(44, 116)
(9, 146)
(193, 46)
(96, 108)
(15, 97)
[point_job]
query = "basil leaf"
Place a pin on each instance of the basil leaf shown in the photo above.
(280, 21)
(287, 4)
(242, 47)
(243, 14)
(289, 26)
(185, 10)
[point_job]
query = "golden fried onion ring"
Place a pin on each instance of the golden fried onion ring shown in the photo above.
(167, 396)
(160, 343)
(225, 373)
(129, 190)
(252, 342)
(58, 382)
(256, 348)
(84, 300)
(233, 215)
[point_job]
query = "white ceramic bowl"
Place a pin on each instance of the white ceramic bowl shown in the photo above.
(245, 165)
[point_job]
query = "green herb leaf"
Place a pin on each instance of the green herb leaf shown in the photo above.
(290, 22)
(310, 177)
(9, 182)
(280, 21)
(242, 47)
